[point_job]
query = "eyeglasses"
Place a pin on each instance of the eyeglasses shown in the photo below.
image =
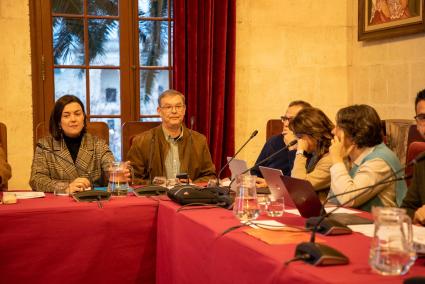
(169, 108)
(420, 117)
(286, 118)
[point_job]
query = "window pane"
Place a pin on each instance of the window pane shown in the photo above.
(67, 6)
(153, 43)
(152, 84)
(68, 41)
(114, 125)
(104, 42)
(153, 8)
(144, 119)
(70, 82)
(105, 91)
(103, 7)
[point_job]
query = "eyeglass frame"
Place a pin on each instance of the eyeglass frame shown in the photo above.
(420, 117)
(284, 118)
(169, 108)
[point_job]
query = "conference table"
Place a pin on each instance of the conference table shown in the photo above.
(191, 248)
(58, 240)
(149, 240)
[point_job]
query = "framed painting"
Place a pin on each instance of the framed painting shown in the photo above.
(380, 19)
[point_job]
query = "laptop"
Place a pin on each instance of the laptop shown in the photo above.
(276, 186)
(303, 196)
(237, 167)
(308, 203)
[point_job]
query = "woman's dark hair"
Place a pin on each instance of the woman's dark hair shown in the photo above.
(314, 123)
(361, 123)
(56, 115)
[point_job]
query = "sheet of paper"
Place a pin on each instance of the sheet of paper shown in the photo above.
(341, 210)
(328, 209)
(418, 234)
(267, 224)
(25, 194)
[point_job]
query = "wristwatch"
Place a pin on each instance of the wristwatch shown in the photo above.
(301, 152)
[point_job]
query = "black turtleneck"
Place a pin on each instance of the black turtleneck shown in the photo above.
(73, 145)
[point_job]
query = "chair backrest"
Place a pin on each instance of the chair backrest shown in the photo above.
(274, 127)
(96, 128)
(131, 129)
(3, 137)
(413, 135)
(3, 144)
(414, 149)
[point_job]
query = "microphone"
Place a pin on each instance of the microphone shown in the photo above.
(320, 254)
(290, 144)
(88, 195)
(253, 134)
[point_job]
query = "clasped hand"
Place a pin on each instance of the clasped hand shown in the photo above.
(338, 151)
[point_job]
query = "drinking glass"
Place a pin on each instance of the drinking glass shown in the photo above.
(276, 206)
(118, 181)
(61, 189)
(246, 206)
(391, 251)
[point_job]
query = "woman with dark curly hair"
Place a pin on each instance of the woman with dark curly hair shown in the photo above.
(360, 159)
(312, 161)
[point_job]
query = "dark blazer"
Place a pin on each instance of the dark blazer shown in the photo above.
(283, 161)
(5, 170)
(415, 196)
(194, 160)
(49, 170)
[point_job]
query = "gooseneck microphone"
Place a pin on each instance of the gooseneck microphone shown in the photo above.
(88, 195)
(253, 134)
(320, 254)
(290, 144)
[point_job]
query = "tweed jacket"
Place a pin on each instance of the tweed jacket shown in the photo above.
(195, 157)
(5, 170)
(49, 170)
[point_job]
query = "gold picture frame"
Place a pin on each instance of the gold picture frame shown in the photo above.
(380, 19)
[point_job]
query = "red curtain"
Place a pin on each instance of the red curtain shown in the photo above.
(204, 69)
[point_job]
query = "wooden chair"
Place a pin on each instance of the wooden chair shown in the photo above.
(96, 128)
(3, 137)
(131, 129)
(274, 127)
(3, 144)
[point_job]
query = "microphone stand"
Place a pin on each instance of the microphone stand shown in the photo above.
(234, 156)
(290, 144)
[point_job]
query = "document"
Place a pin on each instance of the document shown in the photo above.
(25, 194)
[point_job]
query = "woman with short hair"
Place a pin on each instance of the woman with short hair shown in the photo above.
(69, 157)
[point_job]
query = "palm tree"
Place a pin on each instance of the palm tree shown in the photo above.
(68, 34)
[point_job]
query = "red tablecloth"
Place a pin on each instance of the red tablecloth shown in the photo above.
(57, 240)
(189, 250)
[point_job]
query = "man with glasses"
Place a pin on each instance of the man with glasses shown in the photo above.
(285, 160)
(171, 149)
(414, 202)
